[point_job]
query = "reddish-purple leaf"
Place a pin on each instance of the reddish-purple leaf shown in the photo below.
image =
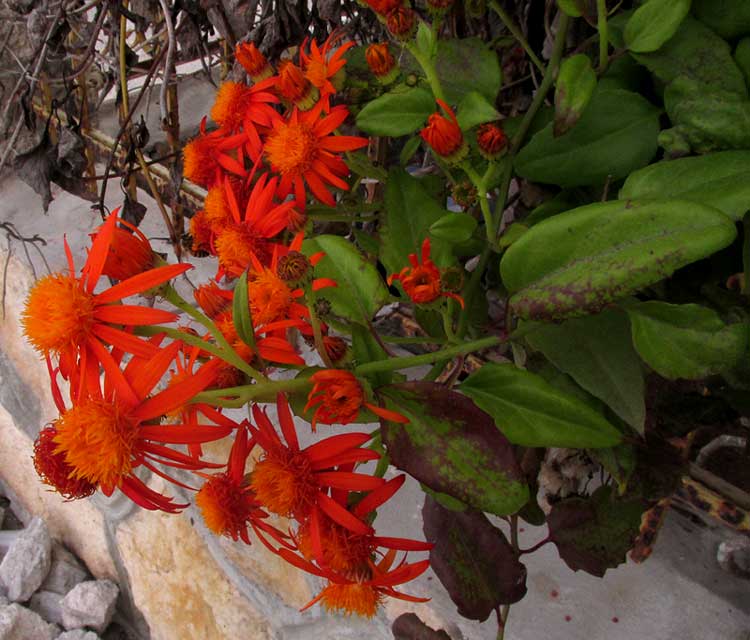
(408, 626)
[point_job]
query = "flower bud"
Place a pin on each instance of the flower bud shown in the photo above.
(492, 140)
(293, 268)
(439, 7)
(253, 61)
(465, 194)
(444, 135)
(381, 62)
(402, 23)
(295, 88)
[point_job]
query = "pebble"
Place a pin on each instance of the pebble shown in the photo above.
(19, 623)
(48, 605)
(90, 604)
(65, 573)
(78, 634)
(24, 567)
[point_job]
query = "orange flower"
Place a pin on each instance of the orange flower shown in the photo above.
(253, 61)
(491, 140)
(402, 23)
(65, 318)
(381, 62)
(273, 348)
(104, 437)
(200, 233)
(54, 471)
(294, 482)
(302, 150)
(444, 135)
(338, 396)
(295, 88)
(322, 70)
(383, 7)
(205, 160)
(129, 253)
(422, 281)
(212, 299)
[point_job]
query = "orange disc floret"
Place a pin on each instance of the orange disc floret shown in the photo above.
(270, 297)
(422, 281)
(200, 162)
(236, 244)
(343, 550)
(59, 313)
(216, 207)
(253, 61)
(491, 140)
(55, 471)
(200, 233)
(295, 88)
(292, 148)
(98, 440)
(226, 507)
(284, 482)
(231, 103)
(381, 62)
(351, 598)
(444, 135)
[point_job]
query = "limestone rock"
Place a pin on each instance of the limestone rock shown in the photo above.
(48, 605)
(90, 604)
(27, 562)
(19, 623)
(65, 573)
(78, 634)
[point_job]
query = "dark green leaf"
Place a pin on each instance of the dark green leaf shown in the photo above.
(653, 23)
(453, 447)
(465, 65)
(742, 58)
(532, 413)
(241, 318)
(474, 109)
(598, 354)
(729, 18)
(366, 349)
(685, 341)
(721, 180)
(473, 560)
(409, 214)
(580, 261)
(410, 148)
(575, 86)
(574, 8)
(615, 135)
(511, 234)
(594, 534)
(397, 113)
(619, 462)
(454, 227)
(360, 292)
(361, 164)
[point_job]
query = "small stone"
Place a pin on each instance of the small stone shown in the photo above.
(90, 604)
(48, 605)
(65, 573)
(27, 562)
(78, 634)
(19, 623)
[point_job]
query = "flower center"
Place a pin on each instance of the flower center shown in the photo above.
(226, 508)
(343, 551)
(292, 148)
(58, 313)
(54, 471)
(284, 482)
(235, 245)
(270, 297)
(352, 598)
(98, 439)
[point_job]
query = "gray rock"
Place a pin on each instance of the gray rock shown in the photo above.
(65, 573)
(78, 634)
(7, 538)
(19, 623)
(48, 605)
(27, 562)
(90, 604)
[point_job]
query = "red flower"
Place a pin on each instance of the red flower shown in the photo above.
(253, 61)
(295, 88)
(381, 62)
(55, 471)
(338, 397)
(205, 158)
(303, 150)
(323, 70)
(444, 135)
(383, 7)
(402, 22)
(422, 281)
(491, 140)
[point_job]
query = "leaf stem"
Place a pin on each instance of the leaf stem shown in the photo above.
(601, 25)
(260, 392)
(536, 547)
(405, 362)
(317, 333)
(516, 32)
(430, 72)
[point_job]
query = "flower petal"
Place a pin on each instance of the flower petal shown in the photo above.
(131, 314)
(142, 282)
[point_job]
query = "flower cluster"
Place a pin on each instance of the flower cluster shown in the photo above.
(164, 389)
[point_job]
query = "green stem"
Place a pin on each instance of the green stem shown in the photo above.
(405, 362)
(317, 333)
(430, 72)
(229, 355)
(470, 290)
(484, 205)
(510, 25)
(601, 25)
(259, 392)
(412, 340)
(338, 217)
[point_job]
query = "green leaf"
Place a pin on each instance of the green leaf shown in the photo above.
(578, 262)
(511, 234)
(367, 349)
(397, 113)
(685, 341)
(362, 165)
(573, 8)
(410, 148)
(729, 18)
(593, 534)
(465, 65)
(575, 86)
(360, 292)
(241, 317)
(454, 227)
(453, 447)
(742, 57)
(474, 110)
(697, 53)
(598, 354)
(533, 413)
(425, 40)
(409, 214)
(473, 559)
(721, 180)
(709, 118)
(615, 135)
(653, 23)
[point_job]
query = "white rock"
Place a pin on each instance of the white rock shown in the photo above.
(90, 604)
(48, 605)
(78, 634)
(27, 562)
(19, 623)
(65, 573)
